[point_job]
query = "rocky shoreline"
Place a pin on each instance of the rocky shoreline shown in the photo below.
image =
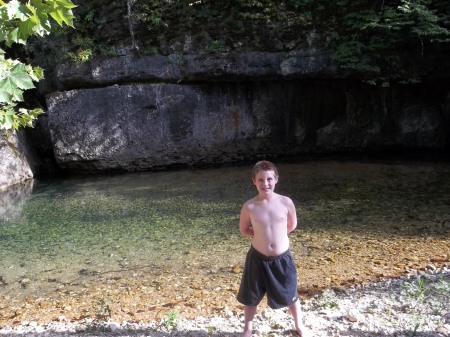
(413, 305)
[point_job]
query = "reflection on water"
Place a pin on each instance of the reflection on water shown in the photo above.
(13, 199)
(171, 238)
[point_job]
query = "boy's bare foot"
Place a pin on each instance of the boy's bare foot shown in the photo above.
(247, 333)
(302, 331)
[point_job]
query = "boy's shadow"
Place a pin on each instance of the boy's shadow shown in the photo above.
(359, 333)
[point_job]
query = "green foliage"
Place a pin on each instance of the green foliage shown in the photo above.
(171, 320)
(380, 42)
(18, 22)
(424, 289)
(240, 24)
(15, 78)
(84, 51)
(417, 290)
(327, 299)
(395, 40)
(217, 46)
(103, 310)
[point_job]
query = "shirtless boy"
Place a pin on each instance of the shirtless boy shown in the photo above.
(269, 268)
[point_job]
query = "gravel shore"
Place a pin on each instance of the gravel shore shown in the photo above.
(414, 305)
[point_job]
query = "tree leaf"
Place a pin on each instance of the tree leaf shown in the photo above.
(4, 97)
(62, 11)
(66, 4)
(9, 120)
(19, 77)
(12, 8)
(13, 36)
(14, 82)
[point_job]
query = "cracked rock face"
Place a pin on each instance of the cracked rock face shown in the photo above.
(144, 126)
(140, 126)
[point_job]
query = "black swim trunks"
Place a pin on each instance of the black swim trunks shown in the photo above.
(274, 275)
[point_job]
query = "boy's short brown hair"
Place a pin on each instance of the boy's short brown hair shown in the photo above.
(264, 165)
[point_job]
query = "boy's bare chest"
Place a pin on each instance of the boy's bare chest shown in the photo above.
(269, 214)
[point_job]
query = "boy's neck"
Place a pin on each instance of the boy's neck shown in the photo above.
(267, 197)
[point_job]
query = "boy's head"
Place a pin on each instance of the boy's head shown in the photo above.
(264, 165)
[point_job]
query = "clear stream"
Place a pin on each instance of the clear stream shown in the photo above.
(357, 221)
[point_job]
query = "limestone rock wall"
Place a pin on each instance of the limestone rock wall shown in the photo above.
(137, 113)
(141, 126)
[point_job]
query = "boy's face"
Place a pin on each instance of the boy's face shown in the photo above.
(265, 182)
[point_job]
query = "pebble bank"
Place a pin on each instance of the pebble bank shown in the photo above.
(414, 305)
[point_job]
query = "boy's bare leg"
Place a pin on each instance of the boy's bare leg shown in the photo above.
(296, 315)
(249, 314)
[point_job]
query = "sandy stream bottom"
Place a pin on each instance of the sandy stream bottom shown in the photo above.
(358, 223)
(200, 289)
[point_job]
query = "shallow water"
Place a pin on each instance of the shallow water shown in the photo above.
(137, 245)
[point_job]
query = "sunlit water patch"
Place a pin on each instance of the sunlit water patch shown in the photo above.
(149, 242)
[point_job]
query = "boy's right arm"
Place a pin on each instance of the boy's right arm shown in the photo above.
(245, 224)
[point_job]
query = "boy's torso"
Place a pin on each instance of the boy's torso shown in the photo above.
(269, 222)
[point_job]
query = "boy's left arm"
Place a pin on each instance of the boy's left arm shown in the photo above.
(291, 216)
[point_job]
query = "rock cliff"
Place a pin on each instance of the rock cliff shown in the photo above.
(136, 113)
(150, 112)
